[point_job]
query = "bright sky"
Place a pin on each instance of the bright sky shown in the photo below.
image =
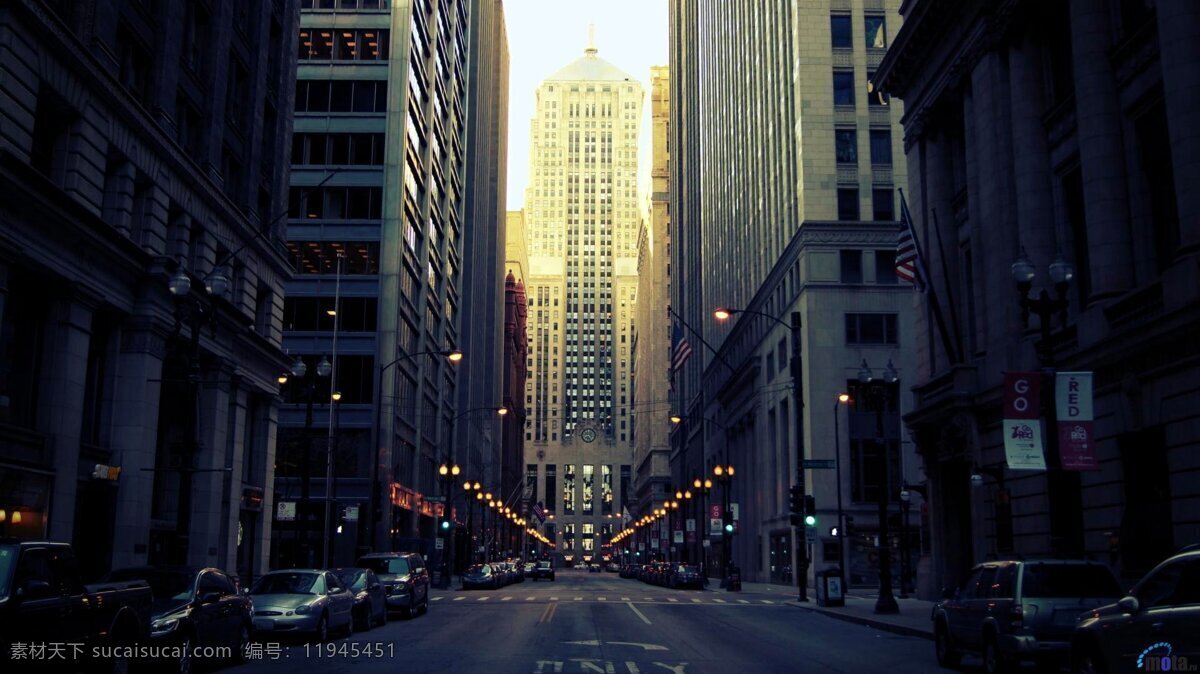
(545, 35)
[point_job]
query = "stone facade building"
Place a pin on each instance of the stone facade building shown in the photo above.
(143, 167)
(790, 208)
(1057, 129)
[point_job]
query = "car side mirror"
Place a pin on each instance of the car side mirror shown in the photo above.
(210, 598)
(245, 592)
(1128, 604)
(949, 592)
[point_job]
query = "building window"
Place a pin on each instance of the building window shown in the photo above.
(875, 97)
(871, 329)
(320, 257)
(841, 32)
(847, 203)
(869, 472)
(843, 87)
(312, 314)
(530, 481)
(625, 481)
(847, 146)
(852, 271)
(881, 147)
(883, 205)
(876, 33)
(569, 489)
(885, 267)
(551, 486)
(606, 488)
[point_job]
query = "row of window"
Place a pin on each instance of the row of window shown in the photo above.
(336, 203)
(846, 146)
(323, 44)
(844, 86)
(321, 257)
(317, 314)
(885, 266)
(883, 204)
(872, 329)
(355, 380)
(341, 96)
(841, 31)
(339, 149)
(344, 4)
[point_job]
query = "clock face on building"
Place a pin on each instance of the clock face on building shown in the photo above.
(588, 435)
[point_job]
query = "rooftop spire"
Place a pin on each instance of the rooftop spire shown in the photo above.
(591, 42)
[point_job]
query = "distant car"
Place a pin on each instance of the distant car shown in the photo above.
(1011, 611)
(593, 568)
(194, 608)
(543, 570)
(629, 571)
(685, 575)
(530, 567)
(370, 598)
(1164, 607)
(516, 573)
(313, 601)
(580, 566)
(613, 567)
(481, 576)
(405, 579)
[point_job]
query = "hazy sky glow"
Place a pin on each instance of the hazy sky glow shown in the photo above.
(545, 35)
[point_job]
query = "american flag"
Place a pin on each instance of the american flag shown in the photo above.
(909, 265)
(680, 349)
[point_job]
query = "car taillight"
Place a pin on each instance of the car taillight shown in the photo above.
(1016, 616)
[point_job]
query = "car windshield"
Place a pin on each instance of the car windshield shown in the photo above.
(355, 579)
(388, 566)
(1069, 581)
(287, 583)
(480, 569)
(684, 568)
(8, 555)
(543, 565)
(169, 588)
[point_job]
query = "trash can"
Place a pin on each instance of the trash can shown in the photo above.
(829, 587)
(733, 583)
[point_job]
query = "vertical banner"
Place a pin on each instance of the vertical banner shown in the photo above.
(1073, 400)
(1022, 427)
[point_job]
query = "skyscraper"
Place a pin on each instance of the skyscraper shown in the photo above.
(581, 219)
(377, 239)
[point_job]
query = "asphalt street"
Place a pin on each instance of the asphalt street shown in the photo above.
(590, 622)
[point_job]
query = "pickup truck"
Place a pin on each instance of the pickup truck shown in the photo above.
(43, 603)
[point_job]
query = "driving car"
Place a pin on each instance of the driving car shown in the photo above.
(370, 599)
(515, 573)
(685, 575)
(544, 569)
(593, 568)
(313, 601)
(481, 576)
(1010, 611)
(529, 569)
(405, 579)
(193, 608)
(1159, 617)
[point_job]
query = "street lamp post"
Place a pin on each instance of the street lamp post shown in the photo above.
(703, 487)
(797, 371)
(1063, 487)
(300, 370)
(724, 475)
(905, 560)
(452, 355)
(449, 474)
(842, 399)
(886, 603)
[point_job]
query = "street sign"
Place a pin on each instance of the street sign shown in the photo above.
(678, 536)
(691, 524)
(714, 510)
(707, 543)
(350, 513)
(436, 499)
(810, 535)
(819, 464)
(714, 526)
(285, 511)
(733, 507)
(439, 543)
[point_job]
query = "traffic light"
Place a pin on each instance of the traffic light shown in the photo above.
(728, 522)
(810, 511)
(445, 525)
(797, 500)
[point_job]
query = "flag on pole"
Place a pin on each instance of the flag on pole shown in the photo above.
(680, 349)
(625, 516)
(909, 264)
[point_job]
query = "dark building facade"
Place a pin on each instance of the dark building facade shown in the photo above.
(515, 368)
(1057, 129)
(377, 239)
(143, 168)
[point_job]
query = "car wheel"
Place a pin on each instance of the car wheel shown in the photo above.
(411, 609)
(382, 619)
(994, 662)
(425, 603)
(1087, 659)
(322, 632)
(947, 656)
(349, 631)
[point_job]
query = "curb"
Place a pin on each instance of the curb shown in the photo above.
(881, 625)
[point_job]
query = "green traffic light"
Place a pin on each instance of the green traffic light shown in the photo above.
(729, 528)
(810, 520)
(445, 524)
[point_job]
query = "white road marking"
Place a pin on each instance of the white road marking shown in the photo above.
(578, 598)
(530, 598)
(508, 598)
(672, 599)
(695, 601)
(459, 598)
(624, 598)
(743, 601)
(553, 598)
(438, 598)
(766, 601)
(720, 601)
(602, 598)
(639, 613)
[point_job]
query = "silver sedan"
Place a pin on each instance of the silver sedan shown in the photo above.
(309, 601)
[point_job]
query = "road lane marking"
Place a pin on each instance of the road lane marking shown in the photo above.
(438, 598)
(639, 613)
(506, 598)
(548, 613)
(529, 598)
(695, 601)
(743, 601)
(624, 598)
(649, 598)
(578, 598)
(484, 598)
(553, 598)
(720, 601)
(602, 598)
(672, 599)
(459, 598)
(766, 601)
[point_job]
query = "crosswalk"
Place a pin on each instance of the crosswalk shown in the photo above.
(705, 599)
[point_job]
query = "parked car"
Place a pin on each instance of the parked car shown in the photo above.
(514, 572)
(308, 601)
(530, 569)
(593, 568)
(43, 599)
(1011, 611)
(193, 608)
(613, 567)
(580, 566)
(1162, 608)
(543, 569)
(685, 575)
(481, 576)
(629, 571)
(370, 599)
(405, 579)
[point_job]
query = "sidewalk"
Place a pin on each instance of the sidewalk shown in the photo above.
(912, 620)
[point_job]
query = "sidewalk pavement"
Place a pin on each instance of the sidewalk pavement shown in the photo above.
(912, 620)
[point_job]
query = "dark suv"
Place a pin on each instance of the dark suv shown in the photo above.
(1009, 611)
(405, 579)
